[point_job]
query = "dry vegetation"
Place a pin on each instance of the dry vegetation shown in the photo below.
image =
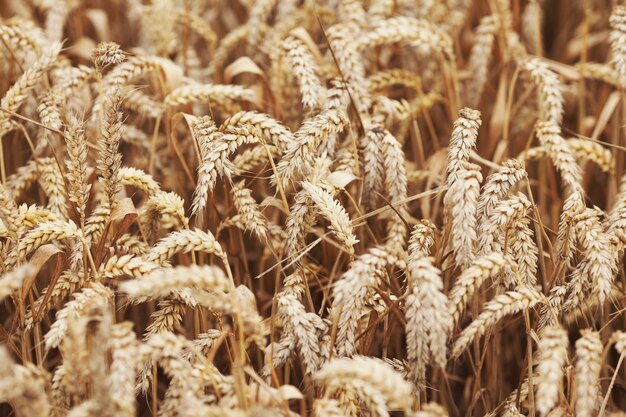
(312, 208)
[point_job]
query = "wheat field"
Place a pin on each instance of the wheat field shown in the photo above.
(314, 208)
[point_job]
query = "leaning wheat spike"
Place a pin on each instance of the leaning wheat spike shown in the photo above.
(77, 167)
(617, 38)
(552, 352)
(19, 91)
(550, 312)
(137, 178)
(55, 98)
(204, 132)
(587, 373)
(216, 162)
(524, 250)
(373, 169)
(162, 282)
(599, 264)
(350, 294)
(619, 338)
(42, 234)
(549, 86)
(341, 40)
(307, 328)
(201, 27)
(583, 150)
(74, 309)
(599, 71)
(9, 213)
(494, 230)
(254, 158)
(299, 156)
(185, 241)
(273, 132)
(24, 387)
(215, 94)
(304, 68)
(13, 280)
(371, 371)
(20, 40)
(124, 368)
(163, 204)
(599, 254)
(51, 180)
(498, 185)
(562, 157)
(480, 59)
(143, 104)
(301, 218)
(422, 239)
(334, 212)
(472, 278)
(495, 310)
(409, 30)
(462, 142)
(532, 20)
(429, 323)
(592, 151)
(566, 238)
(462, 197)
(249, 210)
(168, 349)
(109, 157)
(388, 78)
(395, 172)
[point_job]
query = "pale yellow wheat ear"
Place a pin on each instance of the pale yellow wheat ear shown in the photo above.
(13, 280)
(349, 62)
(77, 167)
(309, 331)
(223, 96)
(27, 390)
(298, 159)
(549, 135)
(162, 282)
(462, 142)
(587, 373)
(422, 239)
(350, 294)
(497, 186)
(305, 70)
(617, 37)
(110, 159)
(369, 377)
(549, 90)
(480, 59)
(594, 275)
(19, 91)
(472, 278)
(552, 352)
(429, 323)
(331, 210)
(495, 310)
(249, 217)
(44, 233)
(74, 309)
(462, 197)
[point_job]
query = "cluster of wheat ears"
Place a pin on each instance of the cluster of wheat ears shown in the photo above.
(325, 208)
